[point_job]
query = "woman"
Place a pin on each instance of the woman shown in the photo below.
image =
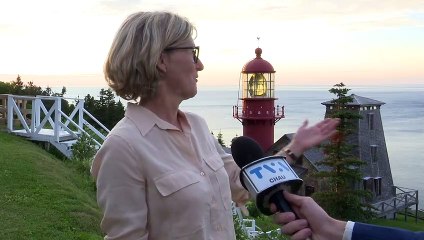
(160, 174)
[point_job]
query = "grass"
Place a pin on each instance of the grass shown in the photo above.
(400, 222)
(42, 197)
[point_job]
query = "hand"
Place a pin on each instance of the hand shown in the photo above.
(307, 137)
(313, 220)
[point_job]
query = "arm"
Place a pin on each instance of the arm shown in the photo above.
(238, 193)
(362, 231)
(307, 137)
(316, 223)
(120, 191)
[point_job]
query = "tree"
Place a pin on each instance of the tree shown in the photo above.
(106, 109)
(17, 86)
(47, 92)
(30, 89)
(342, 199)
(220, 139)
(5, 87)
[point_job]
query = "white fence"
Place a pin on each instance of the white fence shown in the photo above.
(41, 118)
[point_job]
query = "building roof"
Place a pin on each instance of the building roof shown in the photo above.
(258, 65)
(359, 101)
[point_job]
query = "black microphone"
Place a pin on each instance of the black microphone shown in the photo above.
(264, 177)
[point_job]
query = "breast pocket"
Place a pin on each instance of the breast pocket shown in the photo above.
(219, 178)
(182, 203)
(175, 181)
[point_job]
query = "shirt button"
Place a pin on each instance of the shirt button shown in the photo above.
(202, 173)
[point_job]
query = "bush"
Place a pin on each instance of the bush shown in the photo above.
(83, 152)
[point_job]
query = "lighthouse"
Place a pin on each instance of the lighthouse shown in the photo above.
(257, 112)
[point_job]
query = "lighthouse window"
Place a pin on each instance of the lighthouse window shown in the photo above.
(368, 184)
(374, 153)
(377, 186)
(370, 118)
(257, 85)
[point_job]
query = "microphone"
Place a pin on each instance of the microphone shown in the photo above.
(264, 177)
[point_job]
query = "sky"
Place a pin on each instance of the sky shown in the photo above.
(308, 42)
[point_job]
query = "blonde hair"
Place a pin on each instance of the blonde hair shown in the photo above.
(130, 68)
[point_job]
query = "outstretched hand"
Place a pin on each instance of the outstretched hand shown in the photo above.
(307, 137)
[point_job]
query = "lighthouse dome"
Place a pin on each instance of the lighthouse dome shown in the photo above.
(258, 65)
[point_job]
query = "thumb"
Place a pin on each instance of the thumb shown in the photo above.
(305, 123)
(293, 199)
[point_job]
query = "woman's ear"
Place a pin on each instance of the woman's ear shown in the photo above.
(161, 65)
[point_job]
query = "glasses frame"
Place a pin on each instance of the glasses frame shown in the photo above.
(195, 49)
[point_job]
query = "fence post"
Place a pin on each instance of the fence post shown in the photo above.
(81, 115)
(33, 115)
(416, 207)
(406, 204)
(56, 118)
(10, 113)
(37, 111)
(382, 208)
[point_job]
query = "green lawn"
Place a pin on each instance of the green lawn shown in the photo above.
(399, 222)
(42, 197)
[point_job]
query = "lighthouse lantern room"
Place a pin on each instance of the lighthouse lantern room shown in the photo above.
(257, 112)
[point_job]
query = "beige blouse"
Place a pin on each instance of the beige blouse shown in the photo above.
(157, 182)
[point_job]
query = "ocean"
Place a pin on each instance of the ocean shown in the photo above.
(402, 117)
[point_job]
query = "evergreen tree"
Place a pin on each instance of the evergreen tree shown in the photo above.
(30, 89)
(47, 92)
(5, 87)
(106, 109)
(342, 198)
(17, 86)
(220, 139)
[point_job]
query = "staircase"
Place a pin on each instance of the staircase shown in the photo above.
(40, 118)
(403, 199)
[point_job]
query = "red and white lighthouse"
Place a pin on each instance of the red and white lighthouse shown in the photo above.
(257, 112)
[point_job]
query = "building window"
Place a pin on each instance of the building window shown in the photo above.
(368, 184)
(370, 118)
(377, 186)
(373, 150)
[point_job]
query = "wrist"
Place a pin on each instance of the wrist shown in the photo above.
(294, 158)
(294, 152)
(296, 147)
(336, 230)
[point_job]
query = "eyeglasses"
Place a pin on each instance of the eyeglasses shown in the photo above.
(195, 51)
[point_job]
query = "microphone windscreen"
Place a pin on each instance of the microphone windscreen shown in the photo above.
(245, 150)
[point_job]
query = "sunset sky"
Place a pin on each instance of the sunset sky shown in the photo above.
(64, 43)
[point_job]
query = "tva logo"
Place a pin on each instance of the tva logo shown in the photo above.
(272, 167)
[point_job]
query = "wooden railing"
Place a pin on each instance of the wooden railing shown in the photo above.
(404, 198)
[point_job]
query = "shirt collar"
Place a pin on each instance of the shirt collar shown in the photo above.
(145, 120)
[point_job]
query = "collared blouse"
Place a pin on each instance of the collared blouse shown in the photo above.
(155, 181)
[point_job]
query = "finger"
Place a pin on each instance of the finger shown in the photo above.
(273, 208)
(293, 199)
(303, 234)
(284, 218)
(323, 123)
(304, 124)
(294, 226)
(329, 127)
